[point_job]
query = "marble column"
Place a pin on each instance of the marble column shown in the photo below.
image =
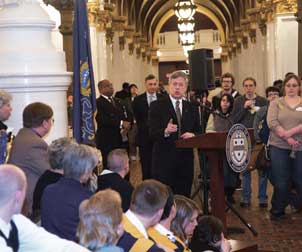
(31, 68)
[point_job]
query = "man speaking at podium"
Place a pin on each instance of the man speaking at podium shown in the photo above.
(170, 119)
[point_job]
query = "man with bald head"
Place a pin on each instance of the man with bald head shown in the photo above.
(17, 233)
(112, 120)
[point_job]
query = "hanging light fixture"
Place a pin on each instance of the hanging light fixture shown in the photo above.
(185, 10)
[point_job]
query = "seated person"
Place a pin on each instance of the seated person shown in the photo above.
(100, 224)
(113, 177)
(146, 208)
(60, 201)
(208, 236)
(29, 150)
(161, 232)
(55, 156)
(185, 221)
(17, 233)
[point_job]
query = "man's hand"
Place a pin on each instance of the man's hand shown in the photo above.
(171, 128)
(187, 135)
(248, 104)
(225, 245)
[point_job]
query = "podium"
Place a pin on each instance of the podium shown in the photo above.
(213, 144)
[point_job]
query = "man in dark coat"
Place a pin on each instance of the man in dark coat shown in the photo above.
(112, 121)
(173, 118)
(141, 105)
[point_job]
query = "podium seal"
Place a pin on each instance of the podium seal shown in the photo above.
(238, 148)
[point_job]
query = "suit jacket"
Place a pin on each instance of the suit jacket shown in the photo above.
(29, 152)
(165, 156)
(108, 120)
(141, 112)
(117, 183)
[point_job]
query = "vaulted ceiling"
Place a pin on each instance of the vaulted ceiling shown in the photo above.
(149, 16)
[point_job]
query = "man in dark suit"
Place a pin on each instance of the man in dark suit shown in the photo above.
(141, 105)
(112, 121)
(171, 119)
(124, 93)
(113, 177)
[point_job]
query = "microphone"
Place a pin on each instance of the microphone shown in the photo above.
(212, 111)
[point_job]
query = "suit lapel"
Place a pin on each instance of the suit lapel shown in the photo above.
(145, 102)
(172, 111)
(185, 113)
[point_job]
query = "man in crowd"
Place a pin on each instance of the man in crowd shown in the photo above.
(112, 119)
(124, 93)
(5, 112)
(29, 150)
(227, 84)
(141, 105)
(113, 177)
(146, 208)
(17, 233)
(244, 111)
(173, 118)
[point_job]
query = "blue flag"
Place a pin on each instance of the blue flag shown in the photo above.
(84, 101)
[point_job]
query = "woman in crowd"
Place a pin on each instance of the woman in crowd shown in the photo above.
(208, 236)
(185, 221)
(100, 224)
(222, 121)
(285, 122)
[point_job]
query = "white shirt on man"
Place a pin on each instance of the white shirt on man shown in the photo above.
(35, 239)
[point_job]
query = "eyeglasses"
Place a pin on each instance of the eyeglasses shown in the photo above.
(227, 81)
(273, 94)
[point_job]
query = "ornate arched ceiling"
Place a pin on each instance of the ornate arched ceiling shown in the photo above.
(148, 16)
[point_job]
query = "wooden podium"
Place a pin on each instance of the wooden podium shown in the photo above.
(213, 144)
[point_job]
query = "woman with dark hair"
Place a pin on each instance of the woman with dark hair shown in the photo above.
(208, 236)
(284, 119)
(222, 121)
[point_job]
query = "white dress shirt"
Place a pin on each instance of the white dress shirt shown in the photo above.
(165, 232)
(36, 239)
(151, 98)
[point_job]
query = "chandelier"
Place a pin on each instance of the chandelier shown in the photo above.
(185, 10)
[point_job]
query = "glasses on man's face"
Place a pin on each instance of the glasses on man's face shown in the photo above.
(273, 94)
(227, 81)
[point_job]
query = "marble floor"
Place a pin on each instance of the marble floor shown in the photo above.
(281, 236)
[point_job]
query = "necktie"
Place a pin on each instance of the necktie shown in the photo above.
(178, 115)
(13, 240)
(151, 99)
(112, 101)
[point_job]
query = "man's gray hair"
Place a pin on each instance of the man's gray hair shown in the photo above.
(78, 160)
(117, 159)
(178, 74)
(56, 151)
(5, 97)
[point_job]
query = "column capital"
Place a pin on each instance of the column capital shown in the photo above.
(285, 6)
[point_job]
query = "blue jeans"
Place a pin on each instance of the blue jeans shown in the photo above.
(286, 175)
(247, 189)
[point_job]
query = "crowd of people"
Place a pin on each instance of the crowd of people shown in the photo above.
(81, 208)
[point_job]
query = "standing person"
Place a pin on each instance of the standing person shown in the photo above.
(261, 135)
(141, 106)
(18, 233)
(133, 130)
(173, 118)
(124, 93)
(284, 119)
(112, 121)
(244, 111)
(223, 122)
(100, 224)
(29, 150)
(227, 81)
